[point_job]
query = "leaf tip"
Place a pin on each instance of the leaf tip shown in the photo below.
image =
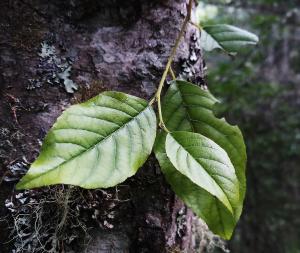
(24, 183)
(20, 186)
(227, 236)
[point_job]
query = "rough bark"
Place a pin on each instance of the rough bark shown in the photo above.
(48, 47)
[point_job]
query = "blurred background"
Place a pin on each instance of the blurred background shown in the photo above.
(260, 91)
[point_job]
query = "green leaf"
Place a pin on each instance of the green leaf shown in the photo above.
(226, 37)
(206, 164)
(218, 218)
(187, 107)
(96, 144)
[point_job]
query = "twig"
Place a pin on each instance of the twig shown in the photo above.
(157, 96)
(172, 73)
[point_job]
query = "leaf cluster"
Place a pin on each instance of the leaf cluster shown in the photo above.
(105, 140)
(102, 142)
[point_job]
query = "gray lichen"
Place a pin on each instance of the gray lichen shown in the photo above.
(204, 240)
(70, 86)
(54, 69)
(15, 171)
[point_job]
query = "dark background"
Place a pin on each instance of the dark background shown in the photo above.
(261, 93)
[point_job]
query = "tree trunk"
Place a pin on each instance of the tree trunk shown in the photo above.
(49, 49)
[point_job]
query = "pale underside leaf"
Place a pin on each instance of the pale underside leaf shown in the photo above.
(96, 144)
(218, 218)
(206, 164)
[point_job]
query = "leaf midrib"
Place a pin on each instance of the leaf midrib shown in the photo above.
(219, 42)
(239, 162)
(186, 107)
(93, 146)
(180, 146)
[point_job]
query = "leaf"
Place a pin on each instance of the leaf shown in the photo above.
(96, 144)
(187, 107)
(218, 218)
(226, 37)
(206, 164)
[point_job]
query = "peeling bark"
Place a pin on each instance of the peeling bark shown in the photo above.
(97, 46)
